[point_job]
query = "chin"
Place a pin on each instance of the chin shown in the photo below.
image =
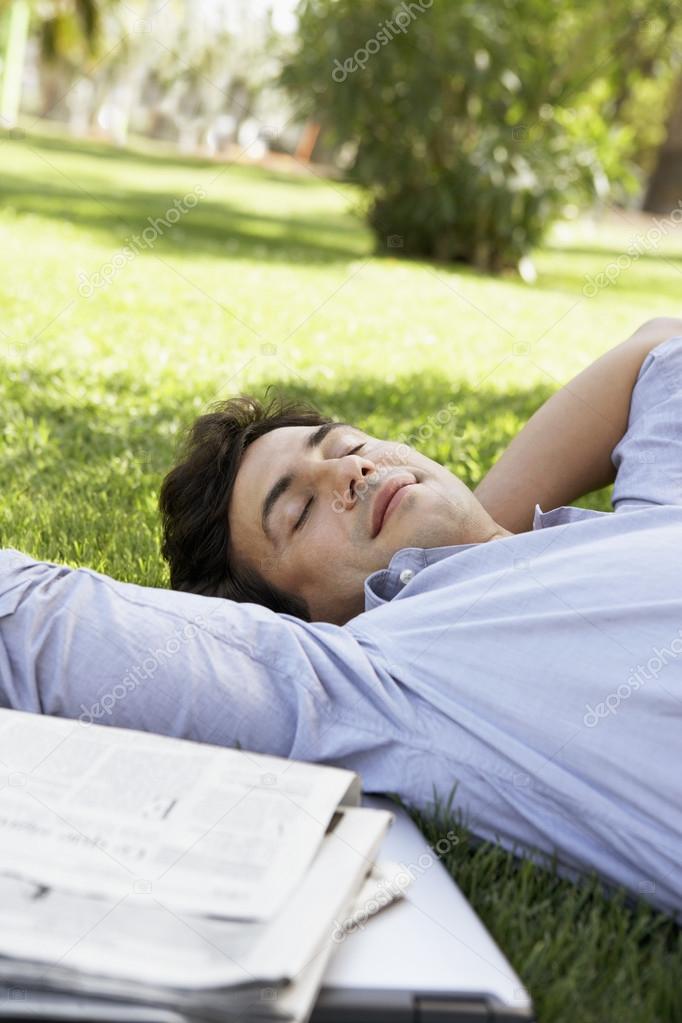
(434, 532)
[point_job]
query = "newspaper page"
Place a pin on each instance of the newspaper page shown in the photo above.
(107, 811)
(135, 949)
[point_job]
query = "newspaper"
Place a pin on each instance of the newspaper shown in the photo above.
(66, 942)
(103, 810)
(385, 884)
(144, 873)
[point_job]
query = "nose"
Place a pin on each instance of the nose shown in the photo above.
(343, 477)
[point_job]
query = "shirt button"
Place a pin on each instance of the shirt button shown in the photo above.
(406, 575)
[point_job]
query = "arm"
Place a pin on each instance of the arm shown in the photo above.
(564, 450)
(75, 643)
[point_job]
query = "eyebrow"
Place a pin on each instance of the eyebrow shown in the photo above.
(284, 482)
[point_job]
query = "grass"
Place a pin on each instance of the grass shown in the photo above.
(271, 280)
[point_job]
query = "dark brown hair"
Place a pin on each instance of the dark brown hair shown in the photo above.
(195, 498)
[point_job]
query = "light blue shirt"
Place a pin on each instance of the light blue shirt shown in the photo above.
(540, 674)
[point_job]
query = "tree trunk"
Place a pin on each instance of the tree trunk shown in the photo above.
(15, 48)
(664, 192)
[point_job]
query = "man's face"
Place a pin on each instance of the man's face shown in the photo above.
(315, 510)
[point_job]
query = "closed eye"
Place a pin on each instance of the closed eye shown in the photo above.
(304, 514)
(306, 509)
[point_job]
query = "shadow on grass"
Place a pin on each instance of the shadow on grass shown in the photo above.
(652, 274)
(221, 228)
(210, 228)
(84, 461)
(609, 253)
(475, 425)
(635, 281)
(149, 159)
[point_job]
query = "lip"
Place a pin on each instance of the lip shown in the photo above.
(384, 497)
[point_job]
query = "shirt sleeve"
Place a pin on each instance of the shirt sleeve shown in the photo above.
(78, 644)
(648, 459)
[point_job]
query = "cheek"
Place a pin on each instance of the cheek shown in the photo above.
(319, 547)
(333, 543)
(394, 456)
(325, 535)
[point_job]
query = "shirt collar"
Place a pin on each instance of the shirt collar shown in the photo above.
(383, 585)
(405, 564)
(561, 516)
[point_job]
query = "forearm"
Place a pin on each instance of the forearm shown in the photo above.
(564, 451)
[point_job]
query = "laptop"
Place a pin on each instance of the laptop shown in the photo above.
(426, 957)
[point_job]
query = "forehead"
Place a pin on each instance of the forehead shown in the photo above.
(263, 461)
(272, 451)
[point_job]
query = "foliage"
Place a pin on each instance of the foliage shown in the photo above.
(69, 29)
(478, 123)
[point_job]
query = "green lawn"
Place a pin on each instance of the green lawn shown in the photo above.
(270, 279)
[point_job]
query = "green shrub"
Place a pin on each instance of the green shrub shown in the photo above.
(471, 125)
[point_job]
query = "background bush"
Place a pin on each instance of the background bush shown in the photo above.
(475, 127)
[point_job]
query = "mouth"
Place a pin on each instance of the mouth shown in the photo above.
(385, 500)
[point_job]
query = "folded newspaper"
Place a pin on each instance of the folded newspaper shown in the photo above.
(158, 879)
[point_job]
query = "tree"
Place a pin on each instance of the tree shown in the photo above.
(69, 35)
(664, 192)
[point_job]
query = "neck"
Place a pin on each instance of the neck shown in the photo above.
(498, 533)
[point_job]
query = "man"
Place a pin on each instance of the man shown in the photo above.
(276, 506)
(448, 644)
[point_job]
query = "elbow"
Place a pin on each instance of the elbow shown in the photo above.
(654, 332)
(661, 326)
